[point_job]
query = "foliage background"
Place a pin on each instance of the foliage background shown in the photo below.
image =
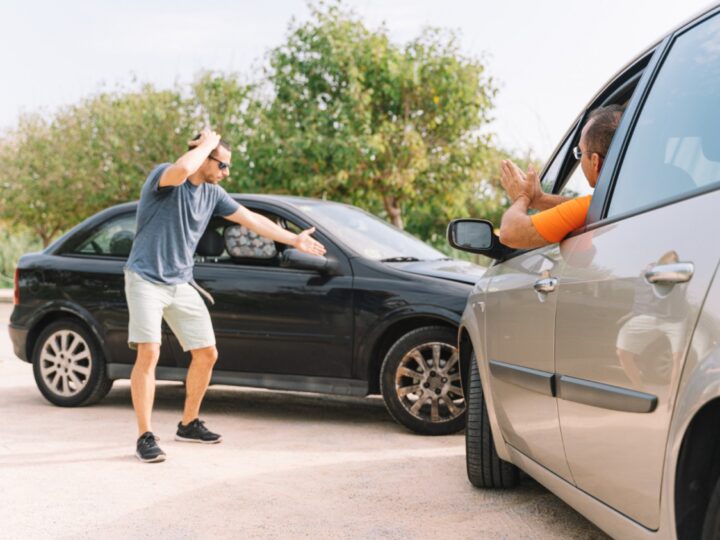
(339, 112)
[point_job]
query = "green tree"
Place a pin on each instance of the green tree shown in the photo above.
(57, 171)
(354, 117)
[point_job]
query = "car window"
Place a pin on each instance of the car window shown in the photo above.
(232, 243)
(675, 147)
(114, 238)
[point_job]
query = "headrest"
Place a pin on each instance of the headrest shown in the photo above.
(242, 243)
(711, 143)
(211, 244)
(121, 243)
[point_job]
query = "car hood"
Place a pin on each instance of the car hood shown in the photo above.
(453, 269)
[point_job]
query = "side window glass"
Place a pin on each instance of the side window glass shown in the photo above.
(242, 243)
(577, 185)
(675, 147)
(114, 238)
(225, 242)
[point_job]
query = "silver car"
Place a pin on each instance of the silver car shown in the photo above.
(594, 363)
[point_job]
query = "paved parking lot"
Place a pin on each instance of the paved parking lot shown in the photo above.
(291, 466)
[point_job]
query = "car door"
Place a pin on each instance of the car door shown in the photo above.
(270, 319)
(91, 275)
(633, 283)
(520, 347)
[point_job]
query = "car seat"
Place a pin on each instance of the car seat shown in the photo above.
(121, 243)
(210, 245)
(242, 243)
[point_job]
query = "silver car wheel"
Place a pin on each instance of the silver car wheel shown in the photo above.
(65, 363)
(427, 382)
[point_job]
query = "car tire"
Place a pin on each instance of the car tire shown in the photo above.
(485, 469)
(711, 525)
(69, 366)
(419, 395)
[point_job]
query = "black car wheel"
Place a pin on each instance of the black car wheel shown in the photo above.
(68, 365)
(485, 469)
(421, 382)
(711, 525)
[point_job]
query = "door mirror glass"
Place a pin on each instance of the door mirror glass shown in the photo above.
(472, 235)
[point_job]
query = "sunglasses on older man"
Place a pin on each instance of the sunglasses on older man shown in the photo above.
(578, 154)
(221, 164)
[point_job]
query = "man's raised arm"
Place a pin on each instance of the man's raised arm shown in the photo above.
(191, 160)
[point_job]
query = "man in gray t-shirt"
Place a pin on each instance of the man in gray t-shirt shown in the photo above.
(177, 202)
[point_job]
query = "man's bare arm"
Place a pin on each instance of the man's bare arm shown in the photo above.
(190, 161)
(265, 227)
(517, 229)
(548, 200)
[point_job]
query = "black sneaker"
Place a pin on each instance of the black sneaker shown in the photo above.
(148, 450)
(196, 431)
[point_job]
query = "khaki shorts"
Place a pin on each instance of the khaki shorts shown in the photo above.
(641, 330)
(180, 305)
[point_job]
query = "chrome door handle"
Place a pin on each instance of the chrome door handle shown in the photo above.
(545, 285)
(679, 272)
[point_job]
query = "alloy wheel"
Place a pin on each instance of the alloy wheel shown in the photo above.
(428, 382)
(65, 363)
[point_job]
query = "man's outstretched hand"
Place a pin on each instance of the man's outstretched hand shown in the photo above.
(305, 243)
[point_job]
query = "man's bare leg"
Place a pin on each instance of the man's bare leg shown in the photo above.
(627, 361)
(198, 379)
(142, 384)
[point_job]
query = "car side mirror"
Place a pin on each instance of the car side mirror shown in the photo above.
(476, 236)
(292, 258)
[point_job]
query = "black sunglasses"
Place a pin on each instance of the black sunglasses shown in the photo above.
(221, 164)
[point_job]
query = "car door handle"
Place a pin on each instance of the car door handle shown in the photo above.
(545, 285)
(679, 272)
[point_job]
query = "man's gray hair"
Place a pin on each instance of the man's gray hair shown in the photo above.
(601, 125)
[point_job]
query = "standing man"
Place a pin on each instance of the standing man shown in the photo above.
(177, 202)
(558, 215)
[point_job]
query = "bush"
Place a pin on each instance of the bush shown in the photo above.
(12, 245)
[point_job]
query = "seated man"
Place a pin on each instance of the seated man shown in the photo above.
(559, 215)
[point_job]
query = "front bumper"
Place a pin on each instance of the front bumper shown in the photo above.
(18, 336)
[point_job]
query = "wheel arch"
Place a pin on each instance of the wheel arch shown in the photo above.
(697, 470)
(59, 312)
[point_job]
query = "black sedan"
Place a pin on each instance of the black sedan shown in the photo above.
(378, 314)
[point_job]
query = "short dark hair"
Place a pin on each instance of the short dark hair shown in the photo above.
(601, 125)
(223, 143)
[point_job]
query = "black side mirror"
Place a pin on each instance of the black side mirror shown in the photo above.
(476, 236)
(292, 258)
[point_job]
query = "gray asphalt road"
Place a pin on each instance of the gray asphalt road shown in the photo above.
(291, 466)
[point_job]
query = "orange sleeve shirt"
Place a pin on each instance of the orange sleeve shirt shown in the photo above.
(556, 223)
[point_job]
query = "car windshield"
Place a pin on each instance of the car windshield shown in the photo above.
(370, 236)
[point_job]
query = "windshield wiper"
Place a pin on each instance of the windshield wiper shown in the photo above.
(400, 259)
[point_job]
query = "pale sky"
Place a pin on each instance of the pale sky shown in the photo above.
(548, 58)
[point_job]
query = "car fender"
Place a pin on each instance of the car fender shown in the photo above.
(380, 326)
(474, 327)
(70, 308)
